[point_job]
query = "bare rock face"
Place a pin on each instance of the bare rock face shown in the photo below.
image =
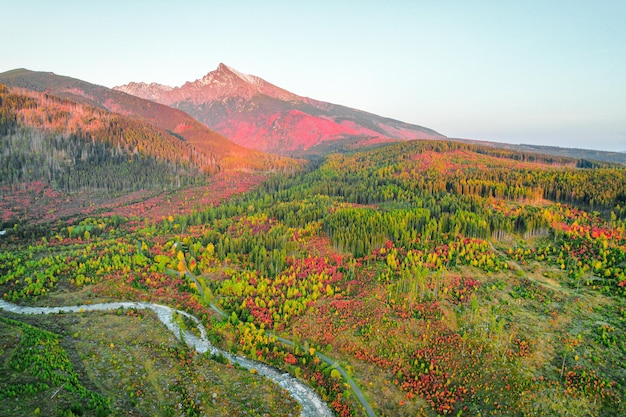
(222, 83)
(259, 115)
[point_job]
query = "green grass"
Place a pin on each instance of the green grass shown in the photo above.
(37, 366)
(128, 361)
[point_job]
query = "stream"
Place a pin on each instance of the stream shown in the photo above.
(312, 404)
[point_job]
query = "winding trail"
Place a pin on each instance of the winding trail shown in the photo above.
(355, 388)
(312, 404)
(353, 385)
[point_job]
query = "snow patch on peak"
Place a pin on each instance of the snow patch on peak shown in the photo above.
(250, 79)
(226, 76)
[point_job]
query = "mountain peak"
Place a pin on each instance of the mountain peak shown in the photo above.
(218, 84)
(250, 79)
(257, 114)
(221, 83)
(227, 76)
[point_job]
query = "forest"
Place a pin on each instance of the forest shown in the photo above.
(44, 138)
(76, 147)
(444, 278)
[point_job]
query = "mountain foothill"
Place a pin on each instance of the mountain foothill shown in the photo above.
(388, 269)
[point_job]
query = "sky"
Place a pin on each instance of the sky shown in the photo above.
(536, 72)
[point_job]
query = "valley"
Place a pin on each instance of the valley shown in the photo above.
(393, 277)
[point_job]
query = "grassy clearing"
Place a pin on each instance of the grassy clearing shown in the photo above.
(529, 344)
(128, 358)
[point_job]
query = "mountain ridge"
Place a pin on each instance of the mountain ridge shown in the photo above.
(214, 85)
(260, 115)
(224, 153)
(576, 153)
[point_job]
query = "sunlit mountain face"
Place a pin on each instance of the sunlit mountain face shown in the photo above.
(214, 151)
(259, 115)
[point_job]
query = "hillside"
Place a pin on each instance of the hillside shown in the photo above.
(45, 138)
(219, 152)
(259, 115)
(71, 148)
(417, 278)
(576, 153)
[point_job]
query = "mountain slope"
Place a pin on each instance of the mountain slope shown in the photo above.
(259, 115)
(575, 153)
(219, 152)
(77, 146)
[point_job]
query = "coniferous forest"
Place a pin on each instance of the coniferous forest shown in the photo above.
(442, 278)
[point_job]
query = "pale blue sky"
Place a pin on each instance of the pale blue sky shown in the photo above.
(544, 72)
